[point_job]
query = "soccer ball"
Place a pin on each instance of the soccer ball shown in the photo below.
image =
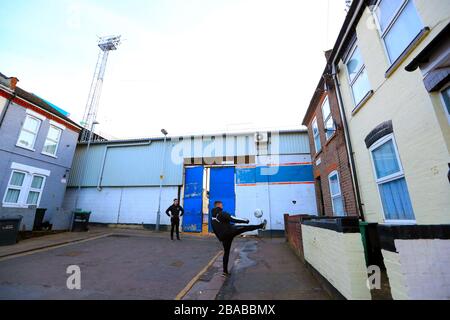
(259, 213)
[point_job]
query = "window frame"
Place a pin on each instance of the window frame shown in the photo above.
(60, 130)
(392, 177)
(31, 189)
(14, 187)
(316, 135)
(24, 190)
(351, 82)
(330, 175)
(325, 120)
(389, 26)
(34, 133)
(444, 104)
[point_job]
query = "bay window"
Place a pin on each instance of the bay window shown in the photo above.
(391, 180)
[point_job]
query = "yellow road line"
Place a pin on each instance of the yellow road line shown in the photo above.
(53, 247)
(191, 283)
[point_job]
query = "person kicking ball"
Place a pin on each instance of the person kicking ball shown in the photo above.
(225, 231)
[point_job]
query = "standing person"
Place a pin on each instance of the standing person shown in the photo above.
(175, 211)
(225, 231)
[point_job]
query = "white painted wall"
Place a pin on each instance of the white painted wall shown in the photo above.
(419, 269)
(127, 205)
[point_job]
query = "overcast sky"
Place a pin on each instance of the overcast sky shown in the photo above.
(190, 66)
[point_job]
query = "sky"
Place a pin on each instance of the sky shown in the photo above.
(189, 66)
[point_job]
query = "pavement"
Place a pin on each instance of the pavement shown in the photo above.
(140, 264)
(267, 269)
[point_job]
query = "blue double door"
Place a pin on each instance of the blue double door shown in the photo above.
(221, 188)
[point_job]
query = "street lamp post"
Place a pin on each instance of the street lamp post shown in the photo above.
(161, 178)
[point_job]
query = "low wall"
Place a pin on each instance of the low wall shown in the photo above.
(333, 247)
(293, 232)
(417, 260)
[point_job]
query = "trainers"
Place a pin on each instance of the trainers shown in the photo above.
(226, 274)
(264, 224)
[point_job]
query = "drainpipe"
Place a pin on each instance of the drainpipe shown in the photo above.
(348, 143)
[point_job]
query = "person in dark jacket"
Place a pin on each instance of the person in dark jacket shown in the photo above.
(175, 211)
(226, 231)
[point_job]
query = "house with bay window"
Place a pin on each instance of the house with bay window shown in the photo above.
(37, 144)
(391, 66)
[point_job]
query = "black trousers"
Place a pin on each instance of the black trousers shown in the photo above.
(237, 230)
(175, 225)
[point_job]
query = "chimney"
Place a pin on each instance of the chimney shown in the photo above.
(13, 83)
(328, 54)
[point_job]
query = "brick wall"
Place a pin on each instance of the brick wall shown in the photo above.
(333, 155)
(293, 232)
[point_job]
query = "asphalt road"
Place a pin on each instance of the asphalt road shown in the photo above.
(115, 267)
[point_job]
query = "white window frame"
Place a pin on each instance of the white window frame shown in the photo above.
(316, 135)
(325, 120)
(333, 196)
(30, 173)
(32, 116)
(444, 104)
(358, 74)
(57, 142)
(395, 176)
(391, 23)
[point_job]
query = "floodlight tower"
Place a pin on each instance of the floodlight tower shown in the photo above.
(106, 44)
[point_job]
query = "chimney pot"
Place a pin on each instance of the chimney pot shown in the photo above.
(13, 83)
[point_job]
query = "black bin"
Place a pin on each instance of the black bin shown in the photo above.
(81, 221)
(9, 230)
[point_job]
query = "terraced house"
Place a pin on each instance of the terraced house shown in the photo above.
(36, 150)
(398, 124)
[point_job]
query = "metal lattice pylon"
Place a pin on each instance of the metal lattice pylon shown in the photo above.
(106, 44)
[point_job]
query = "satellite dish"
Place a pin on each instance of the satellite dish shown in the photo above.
(259, 213)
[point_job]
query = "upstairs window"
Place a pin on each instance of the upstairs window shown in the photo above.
(316, 136)
(52, 141)
(328, 119)
(357, 75)
(29, 132)
(399, 24)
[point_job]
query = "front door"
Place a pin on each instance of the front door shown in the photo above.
(193, 193)
(222, 188)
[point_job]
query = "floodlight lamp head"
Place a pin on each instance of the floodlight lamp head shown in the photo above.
(109, 43)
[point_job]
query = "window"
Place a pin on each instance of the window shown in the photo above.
(328, 119)
(399, 24)
(52, 141)
(357, 75)
(28, 134)
(391, 180)
(336, 194)
(316, 135)
(24, 187)
(446, 100)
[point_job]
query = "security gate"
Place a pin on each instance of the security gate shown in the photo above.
(192, 220)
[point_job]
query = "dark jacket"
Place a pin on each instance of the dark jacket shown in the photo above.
(222, 223)
(176, 211)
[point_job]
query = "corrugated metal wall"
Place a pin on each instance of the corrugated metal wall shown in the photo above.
(140, 165)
